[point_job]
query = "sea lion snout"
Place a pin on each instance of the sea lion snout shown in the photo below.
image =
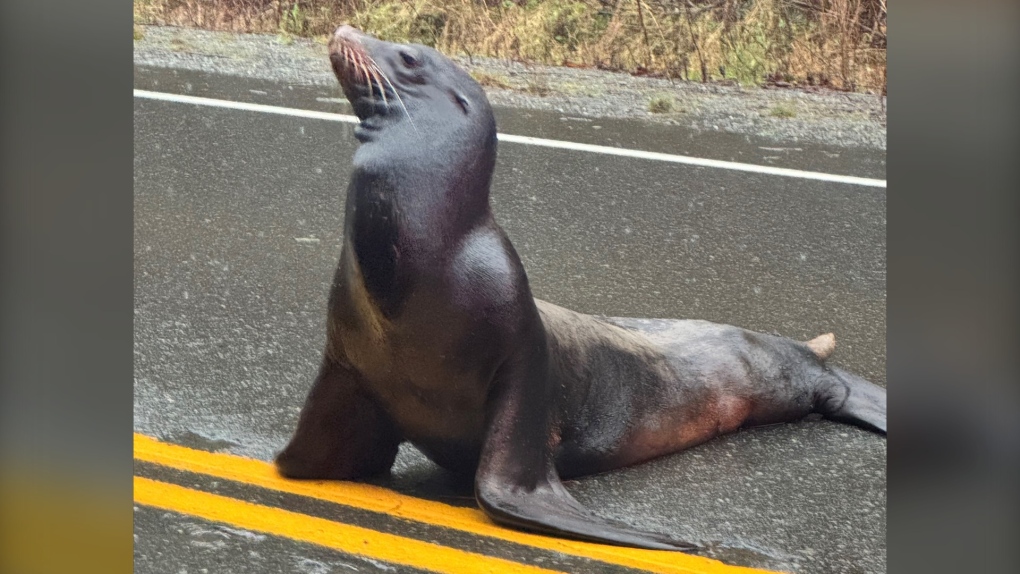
(346, 41)
(346, 34)
(364, 82)
(346, 31)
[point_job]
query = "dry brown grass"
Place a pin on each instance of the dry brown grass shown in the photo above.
(491, 80)
(836, 43)
(661, 104)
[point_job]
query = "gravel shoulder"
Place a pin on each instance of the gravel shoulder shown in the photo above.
(822, 117)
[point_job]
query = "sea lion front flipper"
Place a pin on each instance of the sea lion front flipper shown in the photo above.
(341, 434)
(516, 483)
(549, 509)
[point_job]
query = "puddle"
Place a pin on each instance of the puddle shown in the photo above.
(199, 442)
(749, 555)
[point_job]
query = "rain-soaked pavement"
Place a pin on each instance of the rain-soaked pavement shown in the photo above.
(237, 231)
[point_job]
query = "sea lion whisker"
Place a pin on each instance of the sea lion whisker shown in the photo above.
(399, 99)
(382, 90)
(348, 56)
(368, 80)
(354, 65)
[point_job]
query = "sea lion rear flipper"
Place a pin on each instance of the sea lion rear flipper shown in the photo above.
(851, 399)
(516, 483)
(341, 433)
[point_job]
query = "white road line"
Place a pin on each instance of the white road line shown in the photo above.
(245, 106)
(637, 154)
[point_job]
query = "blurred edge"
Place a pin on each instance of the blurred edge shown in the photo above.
(954, 158)
(65, 210)
(65, 286)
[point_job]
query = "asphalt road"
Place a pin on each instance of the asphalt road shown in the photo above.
(237, 230)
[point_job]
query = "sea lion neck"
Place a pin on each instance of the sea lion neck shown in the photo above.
(427, 133)
(437, 189)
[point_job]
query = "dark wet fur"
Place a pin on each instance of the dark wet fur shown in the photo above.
(686, 368)
(434, 336)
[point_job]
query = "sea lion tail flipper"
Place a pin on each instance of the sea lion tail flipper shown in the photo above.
(851, 399)
(516, 483)
(341, 433)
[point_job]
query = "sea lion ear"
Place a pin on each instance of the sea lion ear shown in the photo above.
(464, 103)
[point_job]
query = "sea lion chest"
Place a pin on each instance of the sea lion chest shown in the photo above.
(424, 314)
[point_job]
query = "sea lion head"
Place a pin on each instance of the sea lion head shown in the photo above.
(409, 88)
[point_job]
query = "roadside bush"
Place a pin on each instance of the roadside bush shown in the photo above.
(834, 43)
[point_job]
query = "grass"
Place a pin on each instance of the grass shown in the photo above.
(491, 80)
(178, 45)
(833, 43)
(661, 104)
(579, 89)
(294, 21)
(538, 85)
(784, 111)
(139, 33)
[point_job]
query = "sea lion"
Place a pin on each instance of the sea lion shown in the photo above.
(434, 337)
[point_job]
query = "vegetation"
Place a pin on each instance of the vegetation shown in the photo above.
(491, 80)
(835, 43)
(661, 104)
(538, 85)
(783, 111)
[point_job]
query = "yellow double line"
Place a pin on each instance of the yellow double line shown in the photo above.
(343, 537)
(365, 542)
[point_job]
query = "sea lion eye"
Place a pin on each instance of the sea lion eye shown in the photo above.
(409, 59)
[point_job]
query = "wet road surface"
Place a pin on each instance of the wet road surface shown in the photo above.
(237, 232)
